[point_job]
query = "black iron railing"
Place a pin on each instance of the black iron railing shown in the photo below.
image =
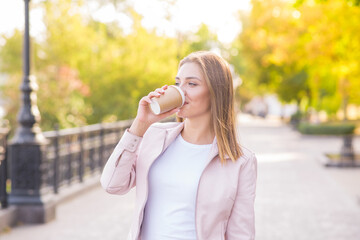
(4, 177)
(77, 153)
(71, 155)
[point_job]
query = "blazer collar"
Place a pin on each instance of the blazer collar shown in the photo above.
(172, 133)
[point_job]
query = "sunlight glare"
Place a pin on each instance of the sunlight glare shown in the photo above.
(187, 15)
(183, 16)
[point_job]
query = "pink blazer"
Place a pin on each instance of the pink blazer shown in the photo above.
(225, 196)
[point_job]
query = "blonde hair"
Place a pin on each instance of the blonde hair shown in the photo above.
(219, 81)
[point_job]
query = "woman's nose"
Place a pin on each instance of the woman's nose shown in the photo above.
(182, 87)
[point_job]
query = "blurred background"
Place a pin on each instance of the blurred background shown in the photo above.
(296, 72)
(95, 59)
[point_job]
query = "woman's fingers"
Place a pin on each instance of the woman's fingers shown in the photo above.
(160, 90)
(149, 96)
(145, 99)
(153, 94)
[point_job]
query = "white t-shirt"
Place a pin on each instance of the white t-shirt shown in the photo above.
(173, 182)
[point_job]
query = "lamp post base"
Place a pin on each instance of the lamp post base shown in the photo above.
(28, 167)
(34, 214)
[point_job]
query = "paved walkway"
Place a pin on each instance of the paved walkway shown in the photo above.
(297, 198)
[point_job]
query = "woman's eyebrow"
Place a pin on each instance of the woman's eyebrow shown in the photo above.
(190, 77)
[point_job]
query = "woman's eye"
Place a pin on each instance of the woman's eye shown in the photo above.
(177, 84)
(192, 84)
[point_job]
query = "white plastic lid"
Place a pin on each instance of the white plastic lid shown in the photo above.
(181, 92)
(155, 107)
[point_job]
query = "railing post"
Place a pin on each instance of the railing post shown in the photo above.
(81, 157)
(69, 173)
(4, 173)
(91, 151)
(101, 148)
(56, 160)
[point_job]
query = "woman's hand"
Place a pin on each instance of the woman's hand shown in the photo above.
(145, 117)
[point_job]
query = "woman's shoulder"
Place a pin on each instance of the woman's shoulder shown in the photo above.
(247, 155)
(164, 125)
(161, 130)
(155, 128)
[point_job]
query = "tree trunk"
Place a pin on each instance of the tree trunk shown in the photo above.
(345, 104)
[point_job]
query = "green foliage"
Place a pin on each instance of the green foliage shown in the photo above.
(307, 51)
(127, 70)
(350, 2)
(10, 52)
(327, 128)
(90, 72)
(334, 52)
(10, 66)
(269, 45)
(203, 39)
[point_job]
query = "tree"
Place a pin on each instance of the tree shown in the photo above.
(309, 53)
(269, 45)
(88, 71)
(334, 49)
(11, 65)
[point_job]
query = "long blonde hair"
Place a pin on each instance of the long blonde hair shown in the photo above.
(219, 81)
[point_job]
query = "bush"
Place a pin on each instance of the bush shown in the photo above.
(327, 128)
(296, 118)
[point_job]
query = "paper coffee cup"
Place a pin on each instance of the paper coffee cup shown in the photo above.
(172, 98)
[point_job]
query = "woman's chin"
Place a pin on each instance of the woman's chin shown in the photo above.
(180, 114)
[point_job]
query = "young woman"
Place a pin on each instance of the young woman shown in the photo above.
(193, 180)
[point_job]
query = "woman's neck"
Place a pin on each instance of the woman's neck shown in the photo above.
(198, 131)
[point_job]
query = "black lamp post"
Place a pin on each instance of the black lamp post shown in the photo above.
(27, 149)
(28, 130)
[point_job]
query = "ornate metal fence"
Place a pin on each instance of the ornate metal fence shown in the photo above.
(77, 153)
(71, 156)
(4, 177)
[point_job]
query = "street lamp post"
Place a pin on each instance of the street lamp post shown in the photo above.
(27, 149)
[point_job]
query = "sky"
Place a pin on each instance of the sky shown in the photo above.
(186, 15)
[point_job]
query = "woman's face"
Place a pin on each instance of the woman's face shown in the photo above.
(197, 96)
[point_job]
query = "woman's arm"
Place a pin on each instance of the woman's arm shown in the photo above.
(118, 176)
(119, 173)
(241, 224)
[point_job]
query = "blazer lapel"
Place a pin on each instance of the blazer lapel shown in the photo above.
(172, 133)
(164, 137)
(214, 151)
(151, 151)
(161, 139)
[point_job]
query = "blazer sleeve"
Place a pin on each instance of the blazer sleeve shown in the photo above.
(119, 173)
(241, 223)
